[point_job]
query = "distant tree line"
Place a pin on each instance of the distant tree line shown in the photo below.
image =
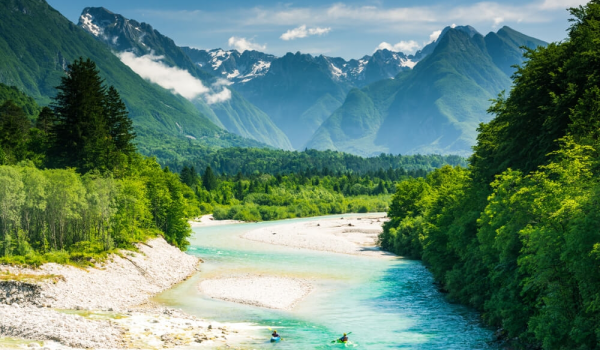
(249, 161)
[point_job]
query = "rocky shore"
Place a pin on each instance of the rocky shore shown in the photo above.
(355, 235)
(105, 307)
(272, 292)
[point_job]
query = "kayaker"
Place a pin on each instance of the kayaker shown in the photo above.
(275, 334)
(344, 338)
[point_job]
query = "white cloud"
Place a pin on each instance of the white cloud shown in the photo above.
(178, 81)
(340, 14)
(498, 21)
(222, 82)
(303, 32)
(222, 96)
(243, 44)
(561, 4)
(435, 35)
(404, 46)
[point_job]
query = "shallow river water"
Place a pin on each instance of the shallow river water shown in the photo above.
(387, 303)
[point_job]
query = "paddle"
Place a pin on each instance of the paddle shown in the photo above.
(333, 341)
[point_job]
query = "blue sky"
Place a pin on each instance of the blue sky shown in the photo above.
(349, 29)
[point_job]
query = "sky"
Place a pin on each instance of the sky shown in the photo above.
(348, 29)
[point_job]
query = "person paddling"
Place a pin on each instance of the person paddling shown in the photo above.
(275, 334)
(344, 338)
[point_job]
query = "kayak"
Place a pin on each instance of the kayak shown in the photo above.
(346, 343)
(275, 339)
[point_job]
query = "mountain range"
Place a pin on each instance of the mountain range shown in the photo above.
(386, 102)
(433, 108)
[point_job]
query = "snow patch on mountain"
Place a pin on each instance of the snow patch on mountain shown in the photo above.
(408, 63)
(233, 74)
(87, 22)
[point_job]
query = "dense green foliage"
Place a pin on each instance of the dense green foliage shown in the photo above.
(107, 197)
(91, 127)
(516, 235)
(59, 215)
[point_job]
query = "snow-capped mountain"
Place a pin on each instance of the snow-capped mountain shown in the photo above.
(243, 67)
(232, 65)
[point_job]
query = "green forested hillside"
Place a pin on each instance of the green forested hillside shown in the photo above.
(435, 107)
(236, 114)
(36, 45)
(27, 103)
(516, 234)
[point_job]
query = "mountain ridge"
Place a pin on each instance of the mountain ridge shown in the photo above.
(434, 108)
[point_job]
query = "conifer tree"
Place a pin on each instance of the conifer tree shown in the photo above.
(209, 180)
(80, 135)
(120, 126)
(45, 120)
(14, 127)
(92, 129)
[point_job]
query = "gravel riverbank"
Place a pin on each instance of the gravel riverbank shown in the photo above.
(352, 235)
(265, 291)
(105, 307)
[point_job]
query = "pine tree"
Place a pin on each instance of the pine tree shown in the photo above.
(80, 137)
(120, 125)
(209, 180)
(91, 129)
(14, 128)
(45, 120)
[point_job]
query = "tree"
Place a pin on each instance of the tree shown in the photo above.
(209, 180)
(120, 126)
(14, 128)
(80, 137)
(93, 130)
(45, 120)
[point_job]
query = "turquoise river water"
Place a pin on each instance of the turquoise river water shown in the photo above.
(387, 303)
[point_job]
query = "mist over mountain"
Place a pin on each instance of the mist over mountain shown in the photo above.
(157, 58)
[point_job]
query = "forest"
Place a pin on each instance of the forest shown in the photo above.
(516, 234)
(74, 186)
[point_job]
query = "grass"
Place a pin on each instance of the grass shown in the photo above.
(29, 278)
(96, 315)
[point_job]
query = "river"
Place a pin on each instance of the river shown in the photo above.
(387, 303)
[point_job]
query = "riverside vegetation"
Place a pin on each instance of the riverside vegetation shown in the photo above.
(516, 234)
(73, 186)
